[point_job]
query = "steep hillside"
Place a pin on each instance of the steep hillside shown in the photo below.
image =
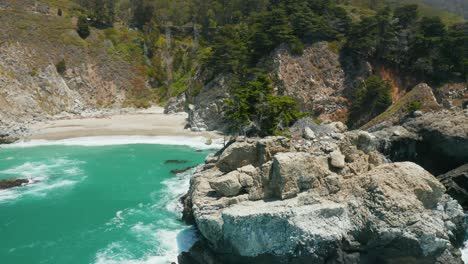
(239, 67)
(34, 40)
(451, 11)
(459, 7)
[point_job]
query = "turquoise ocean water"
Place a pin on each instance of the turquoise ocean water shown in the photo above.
(95, 204)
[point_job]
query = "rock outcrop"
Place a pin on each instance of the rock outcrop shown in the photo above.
(422, 95)
(206, 108)
(31, 88)
(12, 183)
(436, 141)
(456, 182)
(331, 200)
(317, 80)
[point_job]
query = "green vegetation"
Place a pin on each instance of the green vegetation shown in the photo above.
(61, 66)
(254, 110)
(101, 12)
(83, 27)
(370, 99)
(413, 106)
(175, 41)
(421, 47)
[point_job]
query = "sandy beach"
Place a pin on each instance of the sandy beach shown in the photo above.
(150, 122)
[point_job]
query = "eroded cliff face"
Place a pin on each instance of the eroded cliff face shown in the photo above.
(327, 197)
(317, 80)
(438, 142)
(32, 89)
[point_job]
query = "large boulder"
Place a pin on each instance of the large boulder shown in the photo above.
(227, 185)
(298, 208)
(237, 155)
(296, 172)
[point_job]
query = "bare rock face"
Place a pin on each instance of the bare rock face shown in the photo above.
(292, 173)
(337, 159)
(227, 185)
(290, 204)
(206, 108)
(315, 79)
(237, 155)
(175, 104)
(456, 182)
(437, 141)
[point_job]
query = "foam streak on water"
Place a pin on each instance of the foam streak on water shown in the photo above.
(97, 200)
(195, 142)
(168, 237)
(43, 177)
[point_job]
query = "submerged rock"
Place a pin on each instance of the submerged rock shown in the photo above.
(11, 183)
(296, 205)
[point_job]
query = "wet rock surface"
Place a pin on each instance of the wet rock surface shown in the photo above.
(12, 183)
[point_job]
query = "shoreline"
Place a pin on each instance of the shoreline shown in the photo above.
(115, 123)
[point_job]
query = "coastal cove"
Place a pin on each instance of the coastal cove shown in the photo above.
(97, 199)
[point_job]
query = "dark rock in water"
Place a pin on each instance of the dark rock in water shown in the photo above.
(187, 213)
(11, 183)
(456, 182)
(199, 253)
(176, 161)
(177, 171)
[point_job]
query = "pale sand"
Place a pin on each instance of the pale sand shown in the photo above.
(142, 123)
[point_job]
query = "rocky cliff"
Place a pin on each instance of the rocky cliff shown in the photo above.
(330, 198)
(321, 81)
(34, 39)
(317, 80)
(437, 141)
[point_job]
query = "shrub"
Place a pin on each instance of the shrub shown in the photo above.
(413, 106)
(61, 66)
(254, 107)
(83, 27)
(370, 99)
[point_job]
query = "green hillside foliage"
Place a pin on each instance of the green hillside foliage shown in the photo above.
(177, 41)
(370, 99)
(426, 7)
(254, 109)
(420, 46)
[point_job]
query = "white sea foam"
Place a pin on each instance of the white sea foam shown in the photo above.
(195, 142)
(464, 252)
(171, 242)
(176, 187)
(43, 177)
(167, 237)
